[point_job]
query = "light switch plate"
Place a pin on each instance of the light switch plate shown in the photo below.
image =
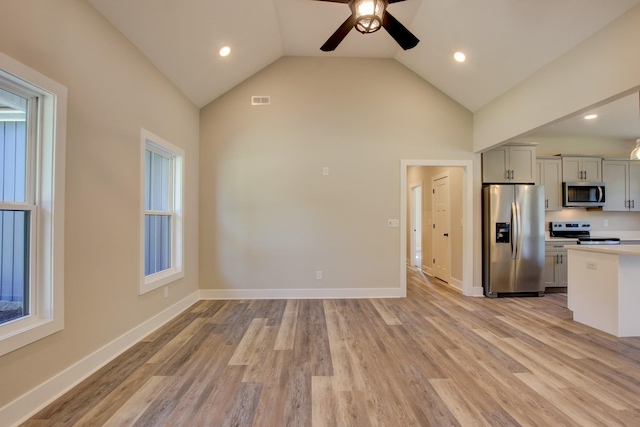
(393, 223)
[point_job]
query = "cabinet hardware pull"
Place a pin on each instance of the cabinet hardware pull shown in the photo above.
(546, 204)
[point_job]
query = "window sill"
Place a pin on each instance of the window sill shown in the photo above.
(162, 278)
(27, 330)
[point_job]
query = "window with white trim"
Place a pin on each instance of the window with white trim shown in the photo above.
(161, 245)
(32, 140)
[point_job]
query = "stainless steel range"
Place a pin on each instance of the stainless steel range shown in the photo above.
(581, 231)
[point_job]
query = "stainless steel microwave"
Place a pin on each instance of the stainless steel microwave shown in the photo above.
(584, 194)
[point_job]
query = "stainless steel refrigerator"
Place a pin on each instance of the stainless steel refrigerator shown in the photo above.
(513, 239)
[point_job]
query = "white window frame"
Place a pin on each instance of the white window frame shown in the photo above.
(46, 183)
(149, 141)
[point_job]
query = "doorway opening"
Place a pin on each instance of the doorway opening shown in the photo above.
(465, 223)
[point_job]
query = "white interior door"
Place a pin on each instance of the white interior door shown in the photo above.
(416, 226)
(441, 228)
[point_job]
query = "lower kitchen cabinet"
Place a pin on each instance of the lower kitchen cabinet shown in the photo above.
(555, 267)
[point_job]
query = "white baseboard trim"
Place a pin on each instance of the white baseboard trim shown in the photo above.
(456, 283)
(428, 271)
(477, 291)
(225, 294)
(36, 399)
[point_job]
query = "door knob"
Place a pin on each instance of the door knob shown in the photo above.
(446, 234)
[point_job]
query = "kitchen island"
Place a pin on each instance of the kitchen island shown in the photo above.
(604, 287)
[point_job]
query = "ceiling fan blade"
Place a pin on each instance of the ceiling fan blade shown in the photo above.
(390, 1)
(345, 1)
(399, 32)
(339, 35)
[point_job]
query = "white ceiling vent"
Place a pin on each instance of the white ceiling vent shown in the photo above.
(260, 100)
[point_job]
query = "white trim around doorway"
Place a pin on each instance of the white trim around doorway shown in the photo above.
(467, 209)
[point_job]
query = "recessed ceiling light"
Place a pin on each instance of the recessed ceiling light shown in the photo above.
(459, 56)
(590, 117)
(225, 51)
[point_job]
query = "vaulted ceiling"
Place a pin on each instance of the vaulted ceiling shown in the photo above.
(505, 41)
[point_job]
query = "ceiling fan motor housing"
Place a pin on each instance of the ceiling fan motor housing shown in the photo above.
(369, 14)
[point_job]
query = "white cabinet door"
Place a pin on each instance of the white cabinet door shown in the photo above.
(539, 172)
(634, 184)
(576, 169)
(550, 270)
(552, 179)
(555, 265)
(495, 165)
(522, 162)
(571, 169)
(592, 166)
(514, 164)
(562, 271)
(615, 174)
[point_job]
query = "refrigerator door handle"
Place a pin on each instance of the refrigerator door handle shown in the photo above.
(514, 231)
(519, 235)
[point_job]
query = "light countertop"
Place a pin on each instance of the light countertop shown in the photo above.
(607, 249)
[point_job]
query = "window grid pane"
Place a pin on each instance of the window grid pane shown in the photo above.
(157, 251)
(157, 182)
(14, 265)
(13, 161)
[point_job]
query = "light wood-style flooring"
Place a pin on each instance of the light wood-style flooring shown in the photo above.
(435, 358)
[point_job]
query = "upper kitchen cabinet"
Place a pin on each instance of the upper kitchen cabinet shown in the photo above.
(622, 178)
(549, 174)
(581, 168)
(515, 164)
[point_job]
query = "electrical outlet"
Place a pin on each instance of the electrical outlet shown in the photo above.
(325, 170)
(393, 223)
(606, 222)
(319, 275)
(592, 265)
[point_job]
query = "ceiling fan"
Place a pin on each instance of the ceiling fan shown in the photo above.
(367, 16)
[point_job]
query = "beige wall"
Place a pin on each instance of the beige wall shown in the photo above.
(604, 66)
(113, 91)
(423, 175)
(270, 218)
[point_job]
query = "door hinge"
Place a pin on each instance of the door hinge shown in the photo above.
(433, 191)
(433, 225)
(434, 260)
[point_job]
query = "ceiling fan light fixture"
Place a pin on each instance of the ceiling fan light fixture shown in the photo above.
(369, 14)
(635, 154)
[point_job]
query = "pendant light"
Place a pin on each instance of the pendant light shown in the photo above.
(635, 154)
